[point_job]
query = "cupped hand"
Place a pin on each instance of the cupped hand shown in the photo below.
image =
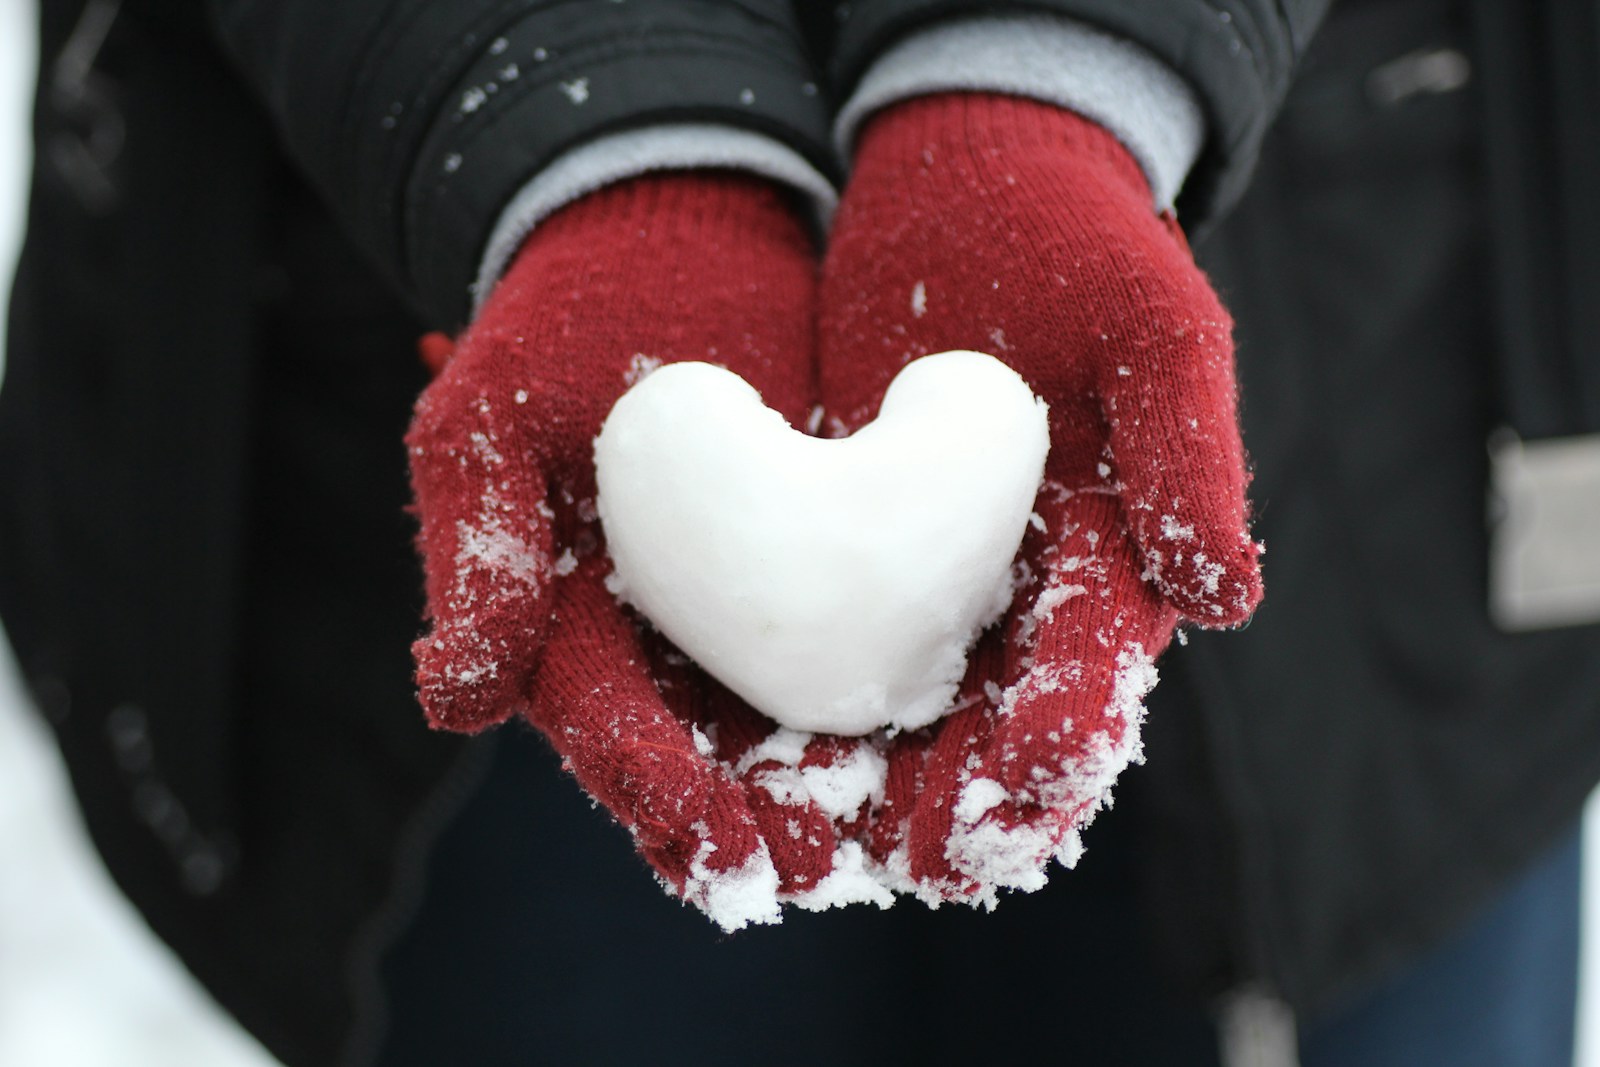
(1021, 229)
(692, 265)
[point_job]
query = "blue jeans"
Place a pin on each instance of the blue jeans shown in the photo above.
(1502, 993)
(543, 939)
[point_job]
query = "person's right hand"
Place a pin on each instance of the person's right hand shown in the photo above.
(685, 266)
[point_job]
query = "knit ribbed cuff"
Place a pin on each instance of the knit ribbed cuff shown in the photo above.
(618, 156)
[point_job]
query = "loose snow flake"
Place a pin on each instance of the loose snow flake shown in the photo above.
(576, 90)
(842, 788)
(783, 745)
(733, 899)
(492, 547)
(978, 798)
(1070, 850)
(1044, 609)
(997, 855)
(838, 789)
(1136, 676)
(639, 367)
(1210, 575)
(1173, 530)
(850, 882)
(919, 300)
(993, 855)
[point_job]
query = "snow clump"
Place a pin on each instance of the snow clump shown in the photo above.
(836, 585)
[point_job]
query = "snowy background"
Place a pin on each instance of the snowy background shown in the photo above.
(83, 983)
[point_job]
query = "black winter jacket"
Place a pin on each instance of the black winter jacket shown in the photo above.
(242, 217)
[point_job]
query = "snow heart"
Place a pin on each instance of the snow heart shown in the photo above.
(836, 585)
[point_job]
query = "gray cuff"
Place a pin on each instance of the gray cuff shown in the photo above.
(628, 154)
(1112, 81)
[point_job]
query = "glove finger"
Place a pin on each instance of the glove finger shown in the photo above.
(1079, 661)
(800, 838)
(594, 698)
(955, 747)
(487, 555)
(810, 808)
(1176, 454)
(888, 833)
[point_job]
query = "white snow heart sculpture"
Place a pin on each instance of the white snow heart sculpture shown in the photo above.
(835, 585)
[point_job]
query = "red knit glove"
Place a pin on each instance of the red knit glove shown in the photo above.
(662, 268)
(1022, 229)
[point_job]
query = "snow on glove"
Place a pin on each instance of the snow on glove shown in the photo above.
(694, 265)
(1019, 228)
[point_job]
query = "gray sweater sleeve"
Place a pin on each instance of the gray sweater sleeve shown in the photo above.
(1049, 58)
(1109, 80)
(419, 122)
(1236, 56)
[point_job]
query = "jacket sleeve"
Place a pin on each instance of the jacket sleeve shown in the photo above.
(1236, 55)
(420, 121)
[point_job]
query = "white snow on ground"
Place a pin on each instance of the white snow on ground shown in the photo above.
(83, 982)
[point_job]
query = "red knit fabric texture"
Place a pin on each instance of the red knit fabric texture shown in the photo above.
(1021, 229)
(683, 266)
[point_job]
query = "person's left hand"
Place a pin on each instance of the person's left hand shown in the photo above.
(1018, 228)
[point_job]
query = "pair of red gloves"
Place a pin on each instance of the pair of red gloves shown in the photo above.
(971, 221)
